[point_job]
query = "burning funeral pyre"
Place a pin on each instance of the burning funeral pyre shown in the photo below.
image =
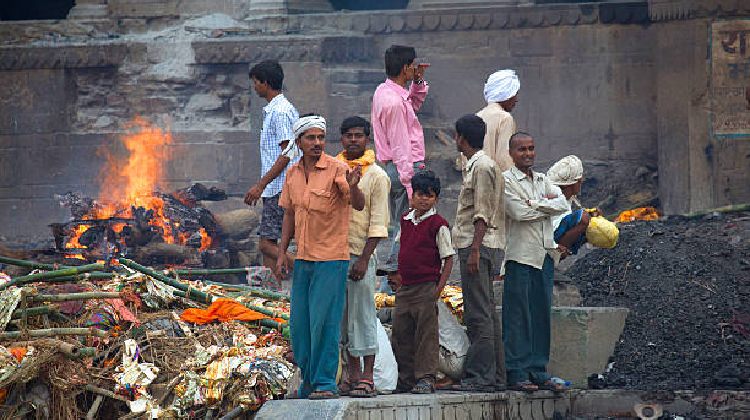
(131, 217)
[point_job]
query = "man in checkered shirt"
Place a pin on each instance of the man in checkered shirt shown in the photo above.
(277, 149)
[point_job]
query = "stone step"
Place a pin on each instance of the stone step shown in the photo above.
(610, 403)
(441, 405)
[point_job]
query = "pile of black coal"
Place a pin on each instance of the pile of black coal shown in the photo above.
(686, 282)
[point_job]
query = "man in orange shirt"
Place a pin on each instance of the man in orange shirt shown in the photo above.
(316, 199)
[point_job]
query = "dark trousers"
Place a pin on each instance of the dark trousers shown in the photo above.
(485, 360)
(527, 309)
(414, 338)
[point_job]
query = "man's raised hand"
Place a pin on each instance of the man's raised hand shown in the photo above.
(353, 176)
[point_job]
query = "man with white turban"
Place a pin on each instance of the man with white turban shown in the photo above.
(316, 199)
(501, 94)
(570, 227)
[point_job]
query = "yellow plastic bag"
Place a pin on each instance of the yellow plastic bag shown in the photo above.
(602, 233)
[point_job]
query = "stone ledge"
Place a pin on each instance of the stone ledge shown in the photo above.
(325, 49)
(663, 10)
(445, 405)
(514, 405)
(476, 18)
(56, 57)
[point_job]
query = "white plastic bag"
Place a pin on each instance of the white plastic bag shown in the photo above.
(385, 372)
(454, 343)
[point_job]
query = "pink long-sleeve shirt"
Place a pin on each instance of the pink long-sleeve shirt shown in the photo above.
(398, 134)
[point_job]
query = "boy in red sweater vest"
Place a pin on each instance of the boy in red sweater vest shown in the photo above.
(425, 260)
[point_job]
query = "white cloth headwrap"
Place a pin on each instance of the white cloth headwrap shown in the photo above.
(501, 86)
(305, 123)
(566, 171)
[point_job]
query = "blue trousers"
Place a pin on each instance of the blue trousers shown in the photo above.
(317, 307)
(527, 310)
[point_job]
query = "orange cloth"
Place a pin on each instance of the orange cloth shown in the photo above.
(321, 209)
(222, 310)
(19, 353)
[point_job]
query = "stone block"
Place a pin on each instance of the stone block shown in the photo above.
(35, 101)
(583, 339)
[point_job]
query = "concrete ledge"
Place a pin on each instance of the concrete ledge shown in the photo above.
(514, 405)
(442, 405)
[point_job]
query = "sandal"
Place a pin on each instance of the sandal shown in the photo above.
(423, 386)
(365, 388)
(323, 395)
(556, 385)
(524, 386)
(345, 388)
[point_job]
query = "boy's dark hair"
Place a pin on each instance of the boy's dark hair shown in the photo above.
(310, 114)
(269, 71)
(472, 128)
(355, 122)
(396, 57)
(426, 182)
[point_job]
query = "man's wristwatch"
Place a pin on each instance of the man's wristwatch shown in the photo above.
(419, 82)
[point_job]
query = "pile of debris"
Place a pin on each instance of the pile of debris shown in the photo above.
(686, 281)
(128, 340)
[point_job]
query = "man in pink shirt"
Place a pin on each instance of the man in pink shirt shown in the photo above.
(399, 140)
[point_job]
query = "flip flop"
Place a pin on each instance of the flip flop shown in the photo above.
(323, 395)
(556, 385)
(345, 388)
(524, 386)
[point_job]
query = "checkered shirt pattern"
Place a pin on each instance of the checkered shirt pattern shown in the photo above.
(278, 117)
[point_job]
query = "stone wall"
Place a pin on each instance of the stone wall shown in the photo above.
(597, 80)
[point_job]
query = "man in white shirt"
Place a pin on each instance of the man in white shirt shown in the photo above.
(531, 201)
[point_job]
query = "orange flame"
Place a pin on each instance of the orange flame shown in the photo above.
(132, 181)
(641, 213)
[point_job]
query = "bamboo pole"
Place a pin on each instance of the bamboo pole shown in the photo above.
(254, 291)
(195, 294)
(269, 312)
(210, 272)
(39, 310)
(62, 297)
(51, 332)
(283, 328)
(30, 264)
(70, 271)
(81, 277)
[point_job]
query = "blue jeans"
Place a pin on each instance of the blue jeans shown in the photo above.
(317, 307)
